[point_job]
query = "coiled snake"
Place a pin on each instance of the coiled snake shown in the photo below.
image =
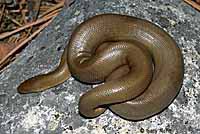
(141, 65)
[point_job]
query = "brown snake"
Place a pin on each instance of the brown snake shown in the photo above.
(140, 63)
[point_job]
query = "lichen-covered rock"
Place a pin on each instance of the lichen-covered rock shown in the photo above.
(56, 110)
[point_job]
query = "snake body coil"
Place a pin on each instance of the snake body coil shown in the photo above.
(140, 63)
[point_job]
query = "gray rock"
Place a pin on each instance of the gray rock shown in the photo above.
(56, 110)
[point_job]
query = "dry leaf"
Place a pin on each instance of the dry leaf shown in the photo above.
(5, 48)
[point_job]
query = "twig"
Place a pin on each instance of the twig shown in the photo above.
(6, 34)
(18, 10)
(13, 20)
(52, 13)
(193, 4)
(59, 5)
(8, 56)
(2, 11)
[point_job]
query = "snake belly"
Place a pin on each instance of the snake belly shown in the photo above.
(140, 63)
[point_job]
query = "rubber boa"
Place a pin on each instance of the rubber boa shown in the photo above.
(140, 64)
